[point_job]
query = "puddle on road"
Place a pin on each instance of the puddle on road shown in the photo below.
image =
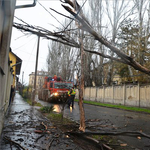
(57, 108)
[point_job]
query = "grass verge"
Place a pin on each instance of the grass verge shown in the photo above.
(58, 118)
(145, 110)
(47, 109)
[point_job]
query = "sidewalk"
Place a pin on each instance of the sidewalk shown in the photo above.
(20, 125)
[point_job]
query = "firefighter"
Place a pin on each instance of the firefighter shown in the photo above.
(69, 97)
(72, 94)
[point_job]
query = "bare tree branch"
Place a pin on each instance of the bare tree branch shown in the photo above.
(105, 56)
(127, 59)
(131, 133)
(61, 14)
(47, 34)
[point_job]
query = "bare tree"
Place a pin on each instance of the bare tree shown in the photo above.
(94, 63)
(60, 61)
(115, 16)
(141, 8)
(110, 26)
(122, 57)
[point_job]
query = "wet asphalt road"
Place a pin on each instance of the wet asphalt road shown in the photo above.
(109, 119)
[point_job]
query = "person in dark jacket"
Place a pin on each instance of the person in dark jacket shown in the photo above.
(12, 91)
(69, 97)
(72, 94)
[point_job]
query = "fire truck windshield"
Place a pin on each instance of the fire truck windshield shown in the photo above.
(63, 85)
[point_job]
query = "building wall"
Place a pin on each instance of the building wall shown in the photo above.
(39, 79)
(13, 59)
(1, 19)
(6, 19)
(129, 95)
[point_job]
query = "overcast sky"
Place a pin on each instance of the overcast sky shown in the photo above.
(25, 46)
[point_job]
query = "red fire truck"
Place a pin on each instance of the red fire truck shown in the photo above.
(54, 89)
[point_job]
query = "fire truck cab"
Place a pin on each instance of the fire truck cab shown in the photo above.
(58, 90)
(55, 89)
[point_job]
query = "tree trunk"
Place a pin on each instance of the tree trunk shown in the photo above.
(82, 114)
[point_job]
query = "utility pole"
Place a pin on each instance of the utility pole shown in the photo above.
(34, 90)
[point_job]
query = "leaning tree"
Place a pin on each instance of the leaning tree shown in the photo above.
(84, 25)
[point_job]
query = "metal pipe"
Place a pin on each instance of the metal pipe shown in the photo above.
(26, 6)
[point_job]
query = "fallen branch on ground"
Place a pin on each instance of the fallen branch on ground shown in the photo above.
(13, 142)
(131, 133)
(92, 141)
(44, 126)
(49, 145)
(41, 131)
(98, 143)
(39, 137)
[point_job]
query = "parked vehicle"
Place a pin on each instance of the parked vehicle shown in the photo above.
(54, 89)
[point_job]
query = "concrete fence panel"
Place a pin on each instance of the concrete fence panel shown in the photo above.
(118, 95)
(93, 93)
(87, 93)
(132, 95)
(108, 97)
(100, 94)
(145, 96)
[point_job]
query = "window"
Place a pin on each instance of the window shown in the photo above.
(51, 85)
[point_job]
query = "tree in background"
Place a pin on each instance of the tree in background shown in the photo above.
(94, 62)
(62, 59)
(105, 20)
(129, 42)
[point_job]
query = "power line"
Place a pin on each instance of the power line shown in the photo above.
(34, 61)
(23, 44)
(30, 56)
(50, 13)
(21, 36)
(21, 20)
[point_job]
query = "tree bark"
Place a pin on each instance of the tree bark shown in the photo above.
(82, 114)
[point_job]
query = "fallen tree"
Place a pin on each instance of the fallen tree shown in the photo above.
(84, 25)
(126, 133)
(87, 136)
(54, 36)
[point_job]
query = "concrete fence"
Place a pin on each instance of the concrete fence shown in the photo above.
(129, 95)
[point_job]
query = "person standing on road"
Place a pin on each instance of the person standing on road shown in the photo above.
(73, 93)
(69, 97)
